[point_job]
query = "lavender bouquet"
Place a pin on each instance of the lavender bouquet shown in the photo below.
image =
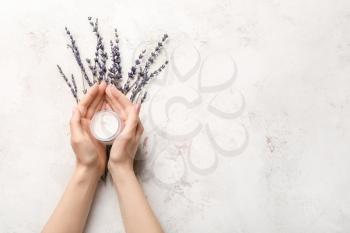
(107, 67)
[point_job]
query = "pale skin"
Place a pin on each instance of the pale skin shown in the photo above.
(70, 215)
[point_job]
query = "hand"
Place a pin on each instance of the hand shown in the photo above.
(125, 145)
(90, 153)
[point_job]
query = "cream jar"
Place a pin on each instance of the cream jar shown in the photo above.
(105, 126)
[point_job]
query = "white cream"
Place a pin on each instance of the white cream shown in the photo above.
(105, 126)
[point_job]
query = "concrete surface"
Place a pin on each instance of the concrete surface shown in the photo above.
(247, 131)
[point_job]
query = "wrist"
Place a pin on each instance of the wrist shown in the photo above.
(120, 171)
(87, 172)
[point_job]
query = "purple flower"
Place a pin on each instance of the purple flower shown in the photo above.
(77, 57)
(72, 88)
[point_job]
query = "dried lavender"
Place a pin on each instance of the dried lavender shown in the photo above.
(156, 52)
(77, 57)
(92, 69)
(101, 56)
(74, 85)
(115, 71)
(144, 76)
(72, 88)
(144, 79)
(159, 70)
(144, 97)
(135, 69)
(138, 76)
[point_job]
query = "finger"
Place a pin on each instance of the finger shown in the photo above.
(92, 108)
(133, 120)
(99, 106)
(75, 124)
(139, 131)
(108, 107)
(113, 99)
(104, 106)
(122, 99)
(109, 102)
(121, 114)
(114, 104)
(86, 126)
(87, 99)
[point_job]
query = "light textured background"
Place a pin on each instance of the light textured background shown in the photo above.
(293, 69)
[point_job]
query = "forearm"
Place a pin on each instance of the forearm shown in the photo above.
(137, 214)
(72, 211)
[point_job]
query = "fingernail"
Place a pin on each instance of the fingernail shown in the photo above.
(138, 107)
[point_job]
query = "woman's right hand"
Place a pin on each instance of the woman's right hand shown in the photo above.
(89, 152)
(125, 145)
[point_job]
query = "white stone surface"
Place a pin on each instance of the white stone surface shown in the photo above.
(291, 93)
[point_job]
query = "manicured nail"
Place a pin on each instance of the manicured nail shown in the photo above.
(138, 107)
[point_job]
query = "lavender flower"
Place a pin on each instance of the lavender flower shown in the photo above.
(132, 73)
(144, 76)
(92, 69)
(159, 70)
(72, 88)
(115, 71)
(144, 79)
(100, 54)
(144, 97)
(138, 76)
(156, 52)
(76, 54)
(74, 85)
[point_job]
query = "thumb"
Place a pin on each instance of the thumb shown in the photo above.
(133, 119)
(75, 123)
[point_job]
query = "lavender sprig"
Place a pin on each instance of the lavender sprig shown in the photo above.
(159, 70)
(77, 57)
(144, 97)
(73, 89)
(144, 76)
(144, 79)
(135, 69)
(74, 85)
(157, 50)
(100, 54)
(138, 85)
(92, 69)
(115, 71)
